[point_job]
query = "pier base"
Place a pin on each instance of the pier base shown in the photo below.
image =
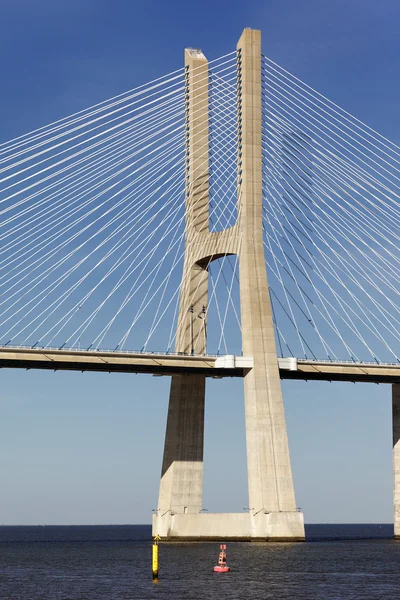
(240, 527)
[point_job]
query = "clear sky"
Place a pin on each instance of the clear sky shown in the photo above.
(87, 448)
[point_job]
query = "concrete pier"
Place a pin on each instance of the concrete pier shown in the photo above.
(272, 515)
(396, 457)
(181, 483)
(268, 463)
(182, 470)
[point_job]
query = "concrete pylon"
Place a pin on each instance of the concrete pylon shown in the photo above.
(272, 514)
(271, 490)
(396, 457)
(182, 469)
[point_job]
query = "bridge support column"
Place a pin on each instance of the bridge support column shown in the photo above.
(271, 490)
(181, 483)
(182, 470)
(396, 457)
(272, 515)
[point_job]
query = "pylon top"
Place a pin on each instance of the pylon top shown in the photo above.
(195, 52)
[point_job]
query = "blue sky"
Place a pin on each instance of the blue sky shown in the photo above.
(87, 448)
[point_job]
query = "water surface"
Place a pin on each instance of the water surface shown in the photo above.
(114, 563)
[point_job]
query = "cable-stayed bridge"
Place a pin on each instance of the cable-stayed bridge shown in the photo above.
(152, 220)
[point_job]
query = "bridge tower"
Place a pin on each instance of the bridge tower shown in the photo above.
(273, 514)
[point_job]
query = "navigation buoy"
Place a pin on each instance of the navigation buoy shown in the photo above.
(222, 567)
(154, 564)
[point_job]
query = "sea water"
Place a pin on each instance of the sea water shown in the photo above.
(114, 563)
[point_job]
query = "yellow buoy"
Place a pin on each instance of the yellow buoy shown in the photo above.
(155, 557)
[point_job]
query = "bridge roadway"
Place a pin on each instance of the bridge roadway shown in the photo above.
(169, 364)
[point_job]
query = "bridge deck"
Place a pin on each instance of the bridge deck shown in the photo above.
(343, 371)
(169, 364)
(120, 362)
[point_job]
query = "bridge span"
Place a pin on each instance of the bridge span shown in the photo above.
(150, 220)
(109, 361)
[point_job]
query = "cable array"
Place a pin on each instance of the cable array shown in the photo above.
(223, 316)
(331, 208)
(223, 151)
(93, 222)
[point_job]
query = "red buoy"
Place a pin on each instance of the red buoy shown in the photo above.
(222, 567)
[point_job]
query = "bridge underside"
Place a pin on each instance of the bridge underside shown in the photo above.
(52, 359)
(114, 362)
(378, 374)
